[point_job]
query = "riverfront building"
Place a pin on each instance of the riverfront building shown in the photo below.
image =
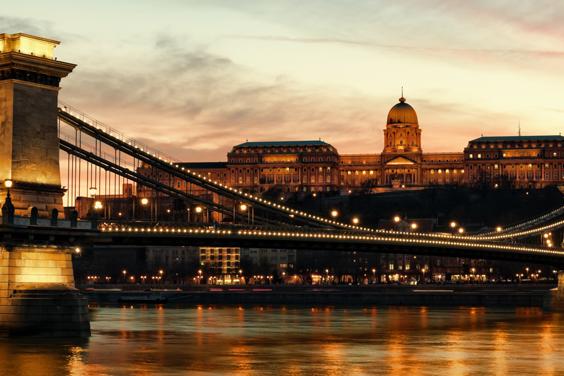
(316, 166)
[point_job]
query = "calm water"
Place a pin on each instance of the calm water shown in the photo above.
(301, 341)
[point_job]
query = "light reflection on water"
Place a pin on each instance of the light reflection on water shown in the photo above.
(300, 341)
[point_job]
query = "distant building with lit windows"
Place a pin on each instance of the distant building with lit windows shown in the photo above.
(316, 166)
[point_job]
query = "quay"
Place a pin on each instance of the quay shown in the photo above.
(511, 295)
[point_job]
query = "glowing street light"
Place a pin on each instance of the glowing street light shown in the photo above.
(461, 230)
(397, 218)
(498, 229)
(144, 201)
(98, 205)
(355, 221)
(453, 224)
(334, 213)
(8, 183)
(414, 226)
(243, 207)
(198, 209)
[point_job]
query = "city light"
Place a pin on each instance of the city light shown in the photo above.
(461, 230)
(77, 250)
(198, 209)
(334, 213)
(144, 201)
(397, 219)
(243, 207)
(414, 226)
(92, 191)
(498, 229)
(453, 224)
(355, 221)
(98, 205)
(8, 183)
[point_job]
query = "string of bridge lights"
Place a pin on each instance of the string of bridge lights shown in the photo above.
(292, 213)
(183, 231)
(548, 215)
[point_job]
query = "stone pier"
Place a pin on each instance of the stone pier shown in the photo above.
(37, 293)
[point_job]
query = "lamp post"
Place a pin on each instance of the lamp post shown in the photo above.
(8, 208)
(199, 214)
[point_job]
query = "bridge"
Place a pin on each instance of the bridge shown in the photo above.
(39, 234)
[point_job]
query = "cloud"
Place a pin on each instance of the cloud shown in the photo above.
(409, 48)
(199, 104)
(25, 25)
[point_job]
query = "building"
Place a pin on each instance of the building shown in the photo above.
(269, 259)
(316, 166)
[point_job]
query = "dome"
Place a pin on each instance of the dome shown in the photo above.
(402, 113)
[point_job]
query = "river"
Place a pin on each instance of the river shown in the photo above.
(137, 340)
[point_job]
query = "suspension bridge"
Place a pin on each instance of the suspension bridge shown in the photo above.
(43, 140)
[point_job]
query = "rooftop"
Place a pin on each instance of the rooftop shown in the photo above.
(28, 44)
(518, 138)
(262, 144)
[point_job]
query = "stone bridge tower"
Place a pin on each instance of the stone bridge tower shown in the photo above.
(30, 75)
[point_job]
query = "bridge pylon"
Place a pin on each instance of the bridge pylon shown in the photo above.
(30, 75)
(37, 293)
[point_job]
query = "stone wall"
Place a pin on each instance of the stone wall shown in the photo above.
(37, 293)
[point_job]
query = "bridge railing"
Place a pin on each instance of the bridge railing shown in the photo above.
(61, 223)
(114, 133)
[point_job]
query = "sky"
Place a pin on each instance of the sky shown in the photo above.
(194, 78)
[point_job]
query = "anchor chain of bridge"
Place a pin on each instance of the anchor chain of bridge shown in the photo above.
(99, 131)
(131, 148)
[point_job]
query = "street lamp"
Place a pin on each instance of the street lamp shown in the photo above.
(397, 218)
(461, 230)
(334, 213)
(198, 209)
(8, 183)
(144, 201)
(498, 229)
(98, 205)
(243, 207)
(92, 191)
(355, 221)
(453, 224)
(414, 226)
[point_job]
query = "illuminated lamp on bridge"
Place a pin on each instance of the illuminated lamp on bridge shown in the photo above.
(498, 229)
(461, 230)
(397, 219)
(414, 226)
(144, 201)
(243, 207)
(355, 221)
(453, 224)
(98, 205)
(198, 209)
(334, 213)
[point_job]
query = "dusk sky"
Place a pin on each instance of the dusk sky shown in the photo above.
(194, 78)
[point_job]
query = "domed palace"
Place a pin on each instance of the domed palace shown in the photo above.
(316, 166)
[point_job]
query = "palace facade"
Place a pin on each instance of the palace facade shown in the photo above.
(316, 166)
